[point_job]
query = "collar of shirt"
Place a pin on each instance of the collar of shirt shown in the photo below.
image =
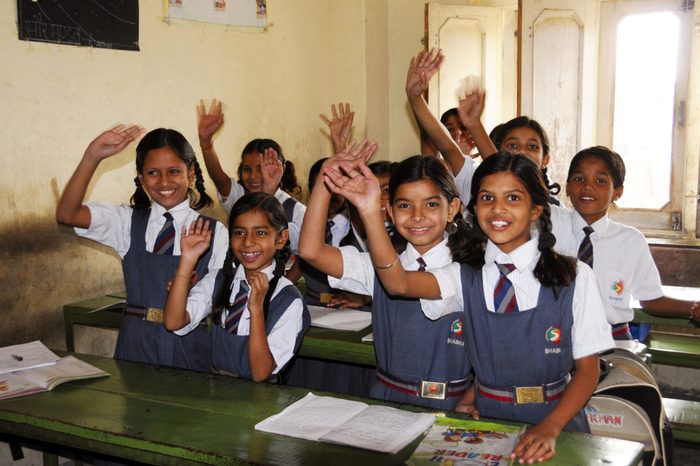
(438, 256)
(600, 226)
(179, 212)
(240, 275)
(341, 226)
(524, 257)
(281, 195)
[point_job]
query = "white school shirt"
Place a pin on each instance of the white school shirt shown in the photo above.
(283, 335)
(294, 226)
(591, 333)
(340, 228)
(622, 264)
(463, 179)
(111, 225)
(358, 271)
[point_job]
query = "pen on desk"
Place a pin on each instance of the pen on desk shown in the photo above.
(18, 358)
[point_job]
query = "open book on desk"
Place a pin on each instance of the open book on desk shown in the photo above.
(346, 422)
(339, 319)
(42, 370)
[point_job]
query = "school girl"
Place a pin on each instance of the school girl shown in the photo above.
(262, 168)
(618, 254)
(419, 361)
(146, 235)
(260, 317)
(530, 315)
(421, 69)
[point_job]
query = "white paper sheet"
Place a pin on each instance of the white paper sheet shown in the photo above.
(25, 356)
(339, 319)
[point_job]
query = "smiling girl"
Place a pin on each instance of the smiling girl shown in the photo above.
(260, 318)
(419, 361)
(146, 235)
(530, 315)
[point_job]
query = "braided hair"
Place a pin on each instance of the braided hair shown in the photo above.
(274, 212)
(552, 270)
(157, 139)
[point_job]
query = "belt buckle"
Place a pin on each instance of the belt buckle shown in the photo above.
(153, 314)
(434, 390)
(524, 395)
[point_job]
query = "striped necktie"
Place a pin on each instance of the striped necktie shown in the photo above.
(504, 294)
(421, 264)
(165, 242)
(585, 250)
(329, 234)
(235, 310)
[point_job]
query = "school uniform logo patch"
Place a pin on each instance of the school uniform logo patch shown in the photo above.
(618, 287)
(457, 327)
(553, 337)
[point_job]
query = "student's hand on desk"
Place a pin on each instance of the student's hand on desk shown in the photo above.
(113, 141)
(537, 443)
(258, 288)
(340, 125)
(695, 312)
(422, 67)
(209, 123)
(349, 300)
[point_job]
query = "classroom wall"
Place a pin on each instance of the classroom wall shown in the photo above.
(273, 83)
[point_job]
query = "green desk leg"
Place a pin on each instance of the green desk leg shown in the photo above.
(88, 313)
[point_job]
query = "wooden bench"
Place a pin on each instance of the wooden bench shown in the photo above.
(684, 417)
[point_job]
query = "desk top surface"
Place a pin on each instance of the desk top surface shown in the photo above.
(159, 415)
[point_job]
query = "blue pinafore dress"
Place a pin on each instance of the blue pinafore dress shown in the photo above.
(230, 352)
(146, 276)
(523, 349)
(413, 348)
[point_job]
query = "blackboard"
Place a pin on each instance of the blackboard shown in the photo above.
(109, 24)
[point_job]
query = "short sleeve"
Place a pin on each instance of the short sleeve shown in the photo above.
(452, 300)
(237, 191)
(358, 272)
(591, 333)
(110, 225)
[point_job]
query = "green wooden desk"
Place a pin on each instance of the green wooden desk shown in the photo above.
(169, 416)
(335, 345)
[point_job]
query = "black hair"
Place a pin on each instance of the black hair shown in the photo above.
(449, 113)
(314, 171)
(382, 167)
(157, 139)
(273, 210)
(289, 182)
(433, 169)
(552, 270)
(609, 157)
(499, 133)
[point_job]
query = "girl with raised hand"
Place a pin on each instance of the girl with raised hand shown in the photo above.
(419, 361)
(533, 319)
(146, 235)
(263, 168)
(260, 317)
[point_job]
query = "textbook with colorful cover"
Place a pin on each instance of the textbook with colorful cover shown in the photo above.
(32, 368)
(462, 442)
(346, 422)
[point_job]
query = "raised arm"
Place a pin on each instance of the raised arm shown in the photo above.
(260, 358)
(271, 170)
(340, 126)
(421, 69)
(70, 209)
(312, 246)
(194, 242)
(470, 108)
(360, 187)
(208, 123)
